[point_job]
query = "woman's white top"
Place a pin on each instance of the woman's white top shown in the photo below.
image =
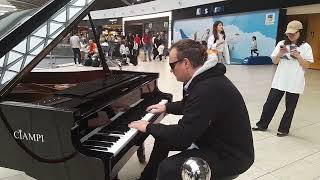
(220, 48)
(289, 75)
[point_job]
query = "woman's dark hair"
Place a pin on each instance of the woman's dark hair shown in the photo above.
(299, 42)
(255, 38)
(192, 50)
(215, 32)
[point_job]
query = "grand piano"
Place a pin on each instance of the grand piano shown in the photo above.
(67, 125)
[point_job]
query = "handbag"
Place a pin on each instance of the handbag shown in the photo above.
(212, 52)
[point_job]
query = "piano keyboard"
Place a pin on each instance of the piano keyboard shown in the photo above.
(115, 140)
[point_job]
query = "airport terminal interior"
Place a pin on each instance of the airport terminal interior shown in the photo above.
(76, 73)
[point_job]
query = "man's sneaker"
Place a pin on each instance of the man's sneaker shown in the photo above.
(282, 134)
(257, 128)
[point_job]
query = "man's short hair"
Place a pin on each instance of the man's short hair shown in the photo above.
(192, 50)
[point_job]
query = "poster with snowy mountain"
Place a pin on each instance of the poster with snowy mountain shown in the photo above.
(239, 29)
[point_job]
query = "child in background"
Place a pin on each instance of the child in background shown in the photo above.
(160, 50)
(124, 51)
(254, 46)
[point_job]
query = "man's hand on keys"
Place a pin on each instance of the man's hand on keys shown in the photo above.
(157, 108)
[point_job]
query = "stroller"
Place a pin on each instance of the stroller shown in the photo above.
(124, 53)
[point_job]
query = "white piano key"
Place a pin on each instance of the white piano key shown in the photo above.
(129, 135)
(96, 130)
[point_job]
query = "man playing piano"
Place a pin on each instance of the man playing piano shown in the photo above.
(215, 124)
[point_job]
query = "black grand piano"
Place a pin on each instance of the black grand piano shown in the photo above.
(66, 125)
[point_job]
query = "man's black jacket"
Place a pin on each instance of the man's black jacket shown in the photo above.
(214, 116)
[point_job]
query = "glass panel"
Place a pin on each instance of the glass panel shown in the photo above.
(62, 17)
(13, 56)
(49, 41)
(42, 32)
(38, 50)
(2, 61)
(73, 11)
(8, 75)
(57, 33)
(29, 47)
(13, 19)
(21, 47)
(79, 3)
(34, 41)
(54, 27)
(16, 67)
(28, 60)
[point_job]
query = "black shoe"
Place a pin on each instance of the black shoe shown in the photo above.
(281, 134)
(257, 128)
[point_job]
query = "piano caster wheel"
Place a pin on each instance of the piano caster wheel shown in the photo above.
(141, 154)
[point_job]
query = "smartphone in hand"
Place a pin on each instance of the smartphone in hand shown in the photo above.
(292, 48)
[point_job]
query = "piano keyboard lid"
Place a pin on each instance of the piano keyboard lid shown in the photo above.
(27, 36)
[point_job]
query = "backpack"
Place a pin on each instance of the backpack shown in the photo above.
(88, 62)
(96, 62)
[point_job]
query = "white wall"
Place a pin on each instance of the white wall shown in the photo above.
(148, 8)
(308, 9)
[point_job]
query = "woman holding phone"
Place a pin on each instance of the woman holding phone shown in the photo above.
(217, 44)
(293, 56)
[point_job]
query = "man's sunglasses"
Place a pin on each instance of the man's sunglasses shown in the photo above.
(173, 65)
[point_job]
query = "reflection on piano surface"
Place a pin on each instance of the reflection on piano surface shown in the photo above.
(69, 125)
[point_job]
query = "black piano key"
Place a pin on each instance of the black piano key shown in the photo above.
(116, 132)
(97, 143)
(107, 138)
(97, 147)
(100, 137)
(121, 128)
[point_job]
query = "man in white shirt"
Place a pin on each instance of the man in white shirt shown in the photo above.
(75, 45)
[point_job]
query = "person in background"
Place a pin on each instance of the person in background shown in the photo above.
(215, 124)
(147, 46)
(205, 36)
(155, 46)
(111, 44)
(130, 41)
(75, 45)
(160, 51)
(254, 46)
(124, 52)
(217, 43)
(135, 50)
(137, 40)
(92, 48)
(293, 56)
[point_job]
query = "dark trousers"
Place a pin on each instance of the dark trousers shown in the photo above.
(271, 106)
(254, 51)
(76, 53)
(162, 167)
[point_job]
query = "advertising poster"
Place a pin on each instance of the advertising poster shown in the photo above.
(240, 30)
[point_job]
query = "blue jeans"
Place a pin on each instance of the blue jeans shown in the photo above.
(147, 48)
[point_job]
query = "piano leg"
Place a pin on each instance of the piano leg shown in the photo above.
(141, 154)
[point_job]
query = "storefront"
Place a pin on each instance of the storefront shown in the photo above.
(154, 23)
(266, 22)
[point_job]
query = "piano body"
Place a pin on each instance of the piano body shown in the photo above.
(67, 125)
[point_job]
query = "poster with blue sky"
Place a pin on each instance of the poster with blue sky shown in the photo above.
(239, 29)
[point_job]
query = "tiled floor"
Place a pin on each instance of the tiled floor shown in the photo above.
(296, 157)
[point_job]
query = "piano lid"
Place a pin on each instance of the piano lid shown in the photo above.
(29, 35)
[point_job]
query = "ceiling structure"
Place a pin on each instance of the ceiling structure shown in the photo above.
(100, 4)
